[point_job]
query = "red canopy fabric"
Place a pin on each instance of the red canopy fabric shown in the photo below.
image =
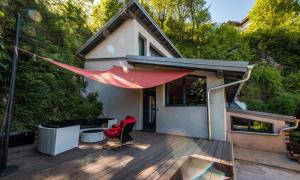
(133, 79)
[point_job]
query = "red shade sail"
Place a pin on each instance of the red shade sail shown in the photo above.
(133, 79)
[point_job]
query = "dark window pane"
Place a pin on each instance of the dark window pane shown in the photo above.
(242, 124)
(187, 91)
(175, 92)
(141, 46)
(239, 124)
(154, 52)
(258, 126)
(195, 90)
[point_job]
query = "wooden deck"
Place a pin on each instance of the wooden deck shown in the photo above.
(149, 158)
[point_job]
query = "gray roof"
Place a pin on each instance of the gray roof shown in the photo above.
(238, 66)
(231, 70)
(203, 64)
(133, 9)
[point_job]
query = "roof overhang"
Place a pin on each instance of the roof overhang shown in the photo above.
(230, 70)
(133, 9)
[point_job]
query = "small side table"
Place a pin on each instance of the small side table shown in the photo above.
(94, 135)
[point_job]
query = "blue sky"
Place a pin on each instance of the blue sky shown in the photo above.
(225, 10)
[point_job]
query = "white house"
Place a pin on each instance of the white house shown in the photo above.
(132, 39)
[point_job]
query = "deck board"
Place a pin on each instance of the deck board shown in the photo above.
(150, 157)
(219, 152)
(137, 165)
(226, 155)
(132, 163)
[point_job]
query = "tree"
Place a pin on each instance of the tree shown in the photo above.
(278, 14)
(274, 37)
(222, 42)
(162, 11)
(45, 92)
(103, 12)
(186, 20)
(274, 32)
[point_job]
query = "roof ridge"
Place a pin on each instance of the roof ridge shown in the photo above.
(88, 45)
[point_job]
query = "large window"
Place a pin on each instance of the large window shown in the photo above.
(241, 124)
(155, 52)
(186, 91)
(142, 48)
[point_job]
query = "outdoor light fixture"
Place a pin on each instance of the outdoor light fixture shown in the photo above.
(126, 67)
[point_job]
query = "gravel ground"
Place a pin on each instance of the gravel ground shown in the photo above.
(252, 171)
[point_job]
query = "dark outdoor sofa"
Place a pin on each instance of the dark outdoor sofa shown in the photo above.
(83, 123)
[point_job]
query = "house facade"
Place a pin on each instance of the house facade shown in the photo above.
(241, 25)
(132, 40)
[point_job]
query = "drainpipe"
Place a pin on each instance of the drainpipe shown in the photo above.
(246, 78)
(290, 128)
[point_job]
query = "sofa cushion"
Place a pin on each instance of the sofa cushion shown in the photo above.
(83, 123)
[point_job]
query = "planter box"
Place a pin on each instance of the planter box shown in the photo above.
(53, 141)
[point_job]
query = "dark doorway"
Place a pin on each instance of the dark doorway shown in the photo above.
(149, 110)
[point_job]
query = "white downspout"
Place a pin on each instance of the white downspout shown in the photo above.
(248, 73)
(290, 128)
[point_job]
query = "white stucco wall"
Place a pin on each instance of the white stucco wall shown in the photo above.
(124, 41)
(139, 29)
(120, 43)
(192, 121)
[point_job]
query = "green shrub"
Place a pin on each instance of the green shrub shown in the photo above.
(284, 104)
(268, 78)
(292, 82)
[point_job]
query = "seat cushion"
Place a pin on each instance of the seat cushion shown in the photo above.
(113, 132)
(115, 126)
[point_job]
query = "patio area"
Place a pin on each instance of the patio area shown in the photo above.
(261, 165)
(149, 157)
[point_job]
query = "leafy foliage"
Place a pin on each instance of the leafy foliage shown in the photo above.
(274, 36)
(268, 90)
(285, 103)
(274, 14)
(44, 92)
(103, 12)
(223, 42)
(292, 82)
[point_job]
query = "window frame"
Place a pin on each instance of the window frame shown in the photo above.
(184, 94)
(145, 44)
(249, 130)
(157, 51)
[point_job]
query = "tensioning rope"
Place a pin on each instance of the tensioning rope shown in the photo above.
(34, 56)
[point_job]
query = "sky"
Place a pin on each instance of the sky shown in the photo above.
(225, 10)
